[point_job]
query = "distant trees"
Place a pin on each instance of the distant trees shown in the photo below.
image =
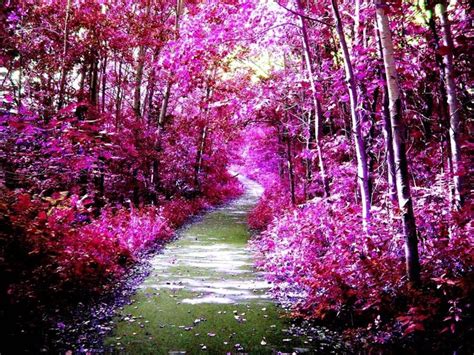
(135, 72)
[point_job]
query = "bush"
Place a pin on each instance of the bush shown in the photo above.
(324, 266)
(59, 247)
(272, 203)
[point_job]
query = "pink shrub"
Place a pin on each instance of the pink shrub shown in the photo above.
(179, 209)
(273, 202)
(61, 237)
(221, 189)
(323, 265)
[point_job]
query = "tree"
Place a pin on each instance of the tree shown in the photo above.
(454, 116)
(316, 102)
(362, 169)
(398, 136)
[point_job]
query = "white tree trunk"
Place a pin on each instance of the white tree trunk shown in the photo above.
(387, 132)
(362, 169)
(316, 103)
(453, 108)
(398, 132)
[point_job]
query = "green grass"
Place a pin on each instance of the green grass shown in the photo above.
(157, 324)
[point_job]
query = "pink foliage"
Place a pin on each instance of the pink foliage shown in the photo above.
(323, 265)
(58, 234)
(273, 202)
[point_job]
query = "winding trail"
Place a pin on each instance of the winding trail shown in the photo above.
(203, 294)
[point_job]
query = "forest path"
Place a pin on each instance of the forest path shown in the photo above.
(203, 294)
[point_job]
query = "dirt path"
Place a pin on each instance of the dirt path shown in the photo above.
(203, 294)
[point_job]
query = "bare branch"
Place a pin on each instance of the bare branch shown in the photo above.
(305, 17)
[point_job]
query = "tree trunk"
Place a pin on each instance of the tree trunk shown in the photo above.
(62, 84)
(166, 97)
(150, 92)
(93, 84)
(164, 105)
(291, 174)
(280, 158)
(453, 108)
(398, 133)
(118, 101)
(202, 141)
(200, 154)
(99, 182)
(316, 103)
(20, 80)
(136, 188)
(362, 169)
(387, 132)
(443, 101)
(104, 82)
(80, 95)
(307, 161)
(138, 82)
(139, 74)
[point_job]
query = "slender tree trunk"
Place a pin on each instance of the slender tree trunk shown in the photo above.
(317, 134)
(307, 161)
(62, 83)
(99, 182)
(454, 118)
(202, 141)
(118, 103)
(164, 105)
(443, 101)
(362, 169)
(138, 82)
(149, 109)
(139, 74)
(20, 80)
(307, 136)
(398, 133)
(166, 97)
(136, 188)
(280, 158)
(199, 157)
(104, 82)
(387, 132)
(93, 85)
(83, 80)
(150, 95)
(291, 174)
(316, 103)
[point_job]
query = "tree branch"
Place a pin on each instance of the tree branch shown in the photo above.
(306, 17)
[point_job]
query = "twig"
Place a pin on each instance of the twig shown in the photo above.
(306, 17)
